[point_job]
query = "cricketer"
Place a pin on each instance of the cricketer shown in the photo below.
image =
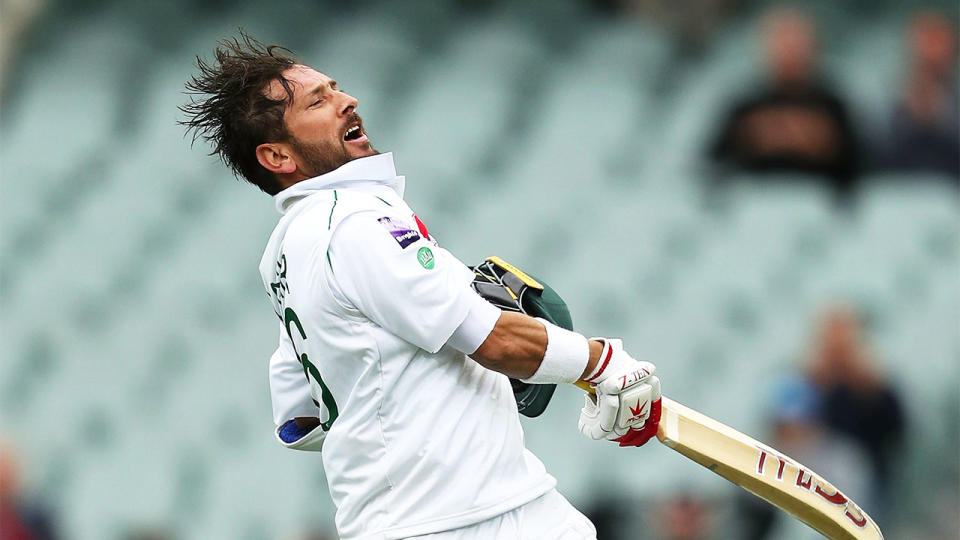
(389, 362)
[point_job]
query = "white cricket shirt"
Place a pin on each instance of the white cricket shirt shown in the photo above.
(417, 438)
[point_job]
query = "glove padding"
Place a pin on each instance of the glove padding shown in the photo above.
(626, 405)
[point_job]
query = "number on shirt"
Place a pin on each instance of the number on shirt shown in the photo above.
(310, 370)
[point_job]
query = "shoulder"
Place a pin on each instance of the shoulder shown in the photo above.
(374, 228)
(327, 212)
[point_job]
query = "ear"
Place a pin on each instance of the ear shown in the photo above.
(276, 158)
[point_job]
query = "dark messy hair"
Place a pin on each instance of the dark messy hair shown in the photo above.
(229, 109)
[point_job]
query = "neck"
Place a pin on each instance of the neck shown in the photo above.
(289, 179)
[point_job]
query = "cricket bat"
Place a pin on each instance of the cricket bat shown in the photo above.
(765, 472)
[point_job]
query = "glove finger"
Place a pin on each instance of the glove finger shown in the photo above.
(618, 383)
(587, 424)
(651, 368)
(591, 429)
(654, 383)
(608, 407)
(590, 407)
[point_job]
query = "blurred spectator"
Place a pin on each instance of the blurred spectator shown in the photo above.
(856, 398)
(795, 122)
(19, 519)
(840, 417)
(798, 430)
(691, 23)
(924, 128)
(18, 17)
(609, 513)
(683, 517)
(148, 534)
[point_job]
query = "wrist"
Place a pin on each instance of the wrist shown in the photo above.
(597, 372)
(596, 350)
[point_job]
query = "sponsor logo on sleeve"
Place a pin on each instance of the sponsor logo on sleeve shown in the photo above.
(400, 231)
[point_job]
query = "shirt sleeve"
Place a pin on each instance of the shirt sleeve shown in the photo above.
(289, 387)
(475, 328)
(400, 280)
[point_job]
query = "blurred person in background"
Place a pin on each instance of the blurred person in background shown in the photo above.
(18, 17)
(690, 23)
(20, 518)
(799, 431)
(677, 515)
(841, 417)
(856, 399)
(683, 516)
(611, 515)
(149, 534)
(795, 121)
(923, 132)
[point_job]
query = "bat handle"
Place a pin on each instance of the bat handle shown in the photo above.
(586, 387)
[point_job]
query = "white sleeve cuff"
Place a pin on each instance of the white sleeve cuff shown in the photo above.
(473, 331)
(565, 359)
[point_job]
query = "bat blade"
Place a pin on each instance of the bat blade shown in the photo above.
(764, 472)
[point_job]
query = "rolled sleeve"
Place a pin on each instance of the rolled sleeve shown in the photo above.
(475, 328)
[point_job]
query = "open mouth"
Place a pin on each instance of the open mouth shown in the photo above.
(353, 133)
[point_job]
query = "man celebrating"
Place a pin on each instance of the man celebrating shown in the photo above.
(388, 360)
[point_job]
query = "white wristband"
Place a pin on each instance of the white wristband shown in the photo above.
(566, 357)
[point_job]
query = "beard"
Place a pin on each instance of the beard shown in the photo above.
(321, 158)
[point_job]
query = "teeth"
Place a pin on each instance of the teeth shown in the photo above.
(352, 130)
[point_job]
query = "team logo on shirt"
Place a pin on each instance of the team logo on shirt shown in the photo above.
(401, 232)
(425, 256)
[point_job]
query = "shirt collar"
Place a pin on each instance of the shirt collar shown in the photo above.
(365, 172)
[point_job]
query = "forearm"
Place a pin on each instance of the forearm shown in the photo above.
(517, 344)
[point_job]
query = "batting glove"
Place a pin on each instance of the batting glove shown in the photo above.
(626, 405)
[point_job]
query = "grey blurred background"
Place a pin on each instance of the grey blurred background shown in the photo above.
(762, 200)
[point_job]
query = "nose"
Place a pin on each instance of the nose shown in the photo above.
(349, 104)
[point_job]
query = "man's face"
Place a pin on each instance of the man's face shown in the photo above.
(790, 47)
(324, 127)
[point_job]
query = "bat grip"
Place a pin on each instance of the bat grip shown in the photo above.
(586, 387)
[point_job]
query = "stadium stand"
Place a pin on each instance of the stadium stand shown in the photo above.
(136, 337)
